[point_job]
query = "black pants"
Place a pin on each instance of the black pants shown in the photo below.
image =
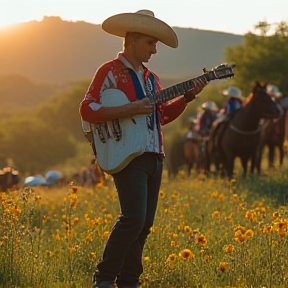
(138, 187)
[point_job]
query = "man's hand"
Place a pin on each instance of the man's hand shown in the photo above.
(142, 106)
(198, 87)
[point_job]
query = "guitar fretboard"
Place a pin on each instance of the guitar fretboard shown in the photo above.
(179, 89)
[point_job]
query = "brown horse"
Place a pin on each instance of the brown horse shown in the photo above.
(240, 135)
(272, 136)
(195, 153)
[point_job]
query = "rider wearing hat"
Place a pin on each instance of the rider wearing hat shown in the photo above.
(234, 100)
(276, 95)
(138, 183)
(208, 117)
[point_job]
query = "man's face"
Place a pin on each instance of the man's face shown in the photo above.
(143, 47)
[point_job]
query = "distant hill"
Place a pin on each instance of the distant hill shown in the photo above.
(18, 92)
(53, 50)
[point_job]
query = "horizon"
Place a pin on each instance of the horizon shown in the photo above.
(228, 16)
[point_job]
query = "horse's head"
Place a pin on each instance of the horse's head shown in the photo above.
(265, 103)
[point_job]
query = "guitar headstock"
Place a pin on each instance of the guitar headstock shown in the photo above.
(221, 71)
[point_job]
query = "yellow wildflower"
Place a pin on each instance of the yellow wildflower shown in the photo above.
(162, 194)
(171, 258)
(75, 220)
(221, 197)
(229, 248)
(201, 239)
(174, 243)
(239, 236)
(89, 237)
(276, 214)
(249, 233)
(188, 230)
(106, 235)
(251, 215)
(186, 254)
(216, 215)
(92, 255)
(223, 266)
(268, 229)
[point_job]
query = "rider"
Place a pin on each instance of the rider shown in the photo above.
(234, 101)
(276, 95)
(192, 127)
(207, 117)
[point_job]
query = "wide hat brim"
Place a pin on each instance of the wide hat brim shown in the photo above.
(226, 93)
(120, 24)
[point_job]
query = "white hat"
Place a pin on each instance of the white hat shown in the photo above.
(142, 21)
(210, 105)
(273, 89)
(233, 92)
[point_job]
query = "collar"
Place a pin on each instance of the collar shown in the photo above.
(128, 64)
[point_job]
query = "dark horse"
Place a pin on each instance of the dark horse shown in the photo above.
(272, 136)
(195, 153)
(240, 134)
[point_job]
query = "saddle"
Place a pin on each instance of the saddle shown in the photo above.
(216, 135)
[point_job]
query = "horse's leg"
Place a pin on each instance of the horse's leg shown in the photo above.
(230, 165)
(281, 154)
(271, 156)
(244, 161)
(258, 159)
(253, 161)
(190, 165)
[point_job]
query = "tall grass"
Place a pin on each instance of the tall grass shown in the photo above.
(208, 233)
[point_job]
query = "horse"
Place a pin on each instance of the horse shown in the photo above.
(196, 154)
(240, 134)
(192, 152)
(272, 136)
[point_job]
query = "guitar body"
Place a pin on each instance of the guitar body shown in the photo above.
(113, 155)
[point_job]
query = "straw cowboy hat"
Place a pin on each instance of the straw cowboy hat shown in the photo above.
(142, 21)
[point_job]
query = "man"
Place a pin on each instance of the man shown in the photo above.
(234, 101)
(208, 117)
(139, 182)
(276, 95)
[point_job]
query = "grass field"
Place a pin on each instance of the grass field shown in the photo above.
(207, 233)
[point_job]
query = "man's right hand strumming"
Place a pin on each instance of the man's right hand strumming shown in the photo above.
(142, 106)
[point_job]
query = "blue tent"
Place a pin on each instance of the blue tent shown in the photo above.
(34, 181)
(52, 177)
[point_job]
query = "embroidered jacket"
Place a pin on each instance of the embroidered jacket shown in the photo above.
(114, 74)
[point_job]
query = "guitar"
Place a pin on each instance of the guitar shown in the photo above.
(118, 141)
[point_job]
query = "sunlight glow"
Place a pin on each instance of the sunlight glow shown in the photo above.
(232, 16)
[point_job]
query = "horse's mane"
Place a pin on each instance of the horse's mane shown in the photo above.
(248, 99)
(255, 90)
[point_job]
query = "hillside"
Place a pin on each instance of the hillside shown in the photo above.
(53, 50)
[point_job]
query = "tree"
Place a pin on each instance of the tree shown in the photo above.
(261, 58)
(34, 146)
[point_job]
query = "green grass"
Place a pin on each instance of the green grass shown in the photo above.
(207, 233)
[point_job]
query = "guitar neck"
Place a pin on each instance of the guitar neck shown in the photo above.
(180, 89)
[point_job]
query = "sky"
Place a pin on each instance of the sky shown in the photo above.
(231, 16)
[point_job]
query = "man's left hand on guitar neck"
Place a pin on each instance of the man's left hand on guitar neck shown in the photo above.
(191, 94)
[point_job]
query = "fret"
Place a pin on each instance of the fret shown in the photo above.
(180, 88)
